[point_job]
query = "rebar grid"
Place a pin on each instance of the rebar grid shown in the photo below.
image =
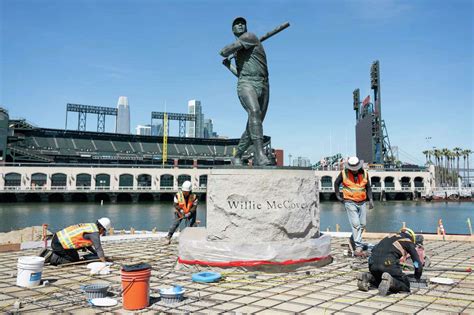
(328, 289)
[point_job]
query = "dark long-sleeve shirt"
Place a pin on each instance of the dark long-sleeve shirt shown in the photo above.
(391, 249)
(338, 182)
(95, 239)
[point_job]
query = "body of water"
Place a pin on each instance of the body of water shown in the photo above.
(386, 217)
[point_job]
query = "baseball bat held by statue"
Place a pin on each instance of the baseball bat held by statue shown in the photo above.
(275, 31)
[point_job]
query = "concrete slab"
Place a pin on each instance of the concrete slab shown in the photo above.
(323, 290)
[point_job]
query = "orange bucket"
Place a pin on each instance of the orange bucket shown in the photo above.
(136, 286)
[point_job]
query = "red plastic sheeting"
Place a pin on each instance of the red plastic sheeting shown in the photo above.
(247, 263)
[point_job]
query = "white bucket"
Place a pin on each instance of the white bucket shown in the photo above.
(30, 269)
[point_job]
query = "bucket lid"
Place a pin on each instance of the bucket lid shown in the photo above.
(136, 267)
(30, 260)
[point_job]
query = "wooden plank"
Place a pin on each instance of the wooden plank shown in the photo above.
(9, 248)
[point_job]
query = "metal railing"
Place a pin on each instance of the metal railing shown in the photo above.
(58, 189)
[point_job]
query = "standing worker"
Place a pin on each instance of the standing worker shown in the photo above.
(384, 264)
(66, 242)
(185, 205)
(253, 88)
(355, 193)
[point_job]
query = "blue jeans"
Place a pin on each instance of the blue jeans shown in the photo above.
(357, 214)
(174, 226)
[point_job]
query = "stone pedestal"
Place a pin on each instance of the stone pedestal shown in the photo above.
(258, 217)
(264, 205)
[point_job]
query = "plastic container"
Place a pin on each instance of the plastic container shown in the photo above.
(96, 290)
(136, 286)
(172, 295)
(30, 269)
(206, 276)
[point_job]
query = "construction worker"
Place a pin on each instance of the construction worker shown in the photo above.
(185, 205)
(384, 264)
(66, 242)
(355, 193)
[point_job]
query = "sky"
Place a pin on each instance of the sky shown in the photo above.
(160, 54)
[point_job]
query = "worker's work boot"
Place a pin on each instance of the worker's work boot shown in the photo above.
(364, 281)
(46, 254)
(385, 284)
(168, 239)
(43, 252)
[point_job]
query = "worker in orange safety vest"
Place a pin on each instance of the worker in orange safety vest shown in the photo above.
(185, 206)
(68, 241)
(356, 192)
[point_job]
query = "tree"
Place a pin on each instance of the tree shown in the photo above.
(457, 154)
(445, 153)
(437, 154)
(426, 152)
(466, 154)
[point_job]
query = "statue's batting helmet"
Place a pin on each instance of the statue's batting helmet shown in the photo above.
(239, 19)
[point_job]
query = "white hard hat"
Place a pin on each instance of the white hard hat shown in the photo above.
(354, 164)
(105, 222)
(186, 186)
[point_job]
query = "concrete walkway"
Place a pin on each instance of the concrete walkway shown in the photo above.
(326, 290)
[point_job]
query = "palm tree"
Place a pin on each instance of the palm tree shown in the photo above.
(463, 165)
(426, 152)
(455, 170)
(445, 153)
(453, 177)
(466, 154)
(430, 154)
(457, 153)
(437, 154)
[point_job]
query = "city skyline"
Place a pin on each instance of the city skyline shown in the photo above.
(314, 66)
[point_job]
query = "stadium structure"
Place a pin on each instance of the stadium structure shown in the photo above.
(28, 143)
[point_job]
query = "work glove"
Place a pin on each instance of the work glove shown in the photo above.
(187, 215)
(417, 274)
(181, 211)
(371, 204)
(418, 270)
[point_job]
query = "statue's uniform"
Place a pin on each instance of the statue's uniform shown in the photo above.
(253, 88)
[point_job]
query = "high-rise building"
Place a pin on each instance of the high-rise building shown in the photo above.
(208, 129)
(123, 116)
(301, 162)
(195, 129)
(157, 130)
(143, 130)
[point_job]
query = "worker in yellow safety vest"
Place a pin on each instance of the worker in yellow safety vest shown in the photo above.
(185, 206)
(66, 242)
(356, 192)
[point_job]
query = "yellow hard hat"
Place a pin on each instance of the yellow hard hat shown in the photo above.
(410, 233)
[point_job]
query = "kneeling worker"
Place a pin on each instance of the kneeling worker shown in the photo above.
(384, 264)
(66, 242)
(185, 205)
